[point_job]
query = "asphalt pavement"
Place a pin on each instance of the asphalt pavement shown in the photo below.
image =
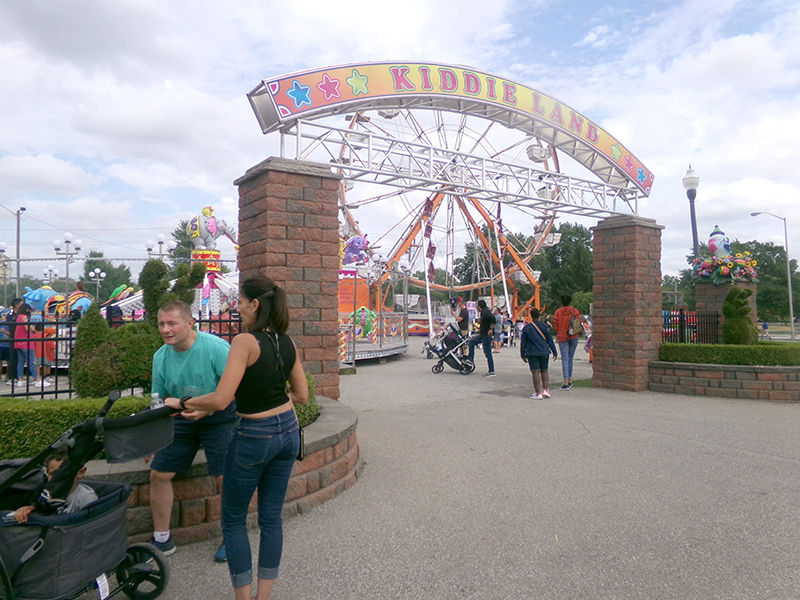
(472, 490)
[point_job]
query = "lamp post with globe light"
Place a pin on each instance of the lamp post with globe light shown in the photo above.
(49, 273)
(690, 183)
(161, 241)
(70, 248)
(97, 276)
(788, 265)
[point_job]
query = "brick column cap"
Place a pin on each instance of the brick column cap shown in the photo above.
(286, 165)
(627, 221)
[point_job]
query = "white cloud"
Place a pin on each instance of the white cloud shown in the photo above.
(43, 173)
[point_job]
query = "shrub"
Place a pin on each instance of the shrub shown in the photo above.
(737, 328)
(762, 354)
(307, 413)
(27, 427)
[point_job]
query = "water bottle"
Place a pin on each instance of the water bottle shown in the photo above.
(156, 402)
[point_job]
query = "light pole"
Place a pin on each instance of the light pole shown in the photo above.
(17, 214)
(70, 249)
(49, 274)
(161, 240)
(97, 276)
(690, 183)
(5, 271)
(788, 265)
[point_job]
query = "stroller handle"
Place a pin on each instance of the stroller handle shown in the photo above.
(112, 397)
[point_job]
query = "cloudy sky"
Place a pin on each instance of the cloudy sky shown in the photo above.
(119, 119)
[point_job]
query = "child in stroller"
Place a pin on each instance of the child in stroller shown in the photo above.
(79, 496)
(447, 348)
(60, 550)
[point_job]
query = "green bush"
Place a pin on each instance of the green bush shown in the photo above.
(28, 427)
(737, 328)
(307, 413)
(761, 354)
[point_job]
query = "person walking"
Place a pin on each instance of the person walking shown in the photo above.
(498, 329)
(461, 314)
(189, 363)
(535, 346)
(567, 339)
(484, 337)
(11, 319)
(25, 348)
(266, 438)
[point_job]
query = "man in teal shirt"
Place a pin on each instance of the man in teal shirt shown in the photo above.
(190, 363)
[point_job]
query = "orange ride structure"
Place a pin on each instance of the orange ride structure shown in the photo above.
(465, 153)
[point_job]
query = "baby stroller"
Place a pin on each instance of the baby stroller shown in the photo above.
(448, 349)
(60, 556)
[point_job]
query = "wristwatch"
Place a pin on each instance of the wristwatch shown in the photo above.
(183, 401)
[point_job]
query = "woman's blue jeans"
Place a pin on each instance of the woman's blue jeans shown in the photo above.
(567, 351)
(28, 356)
(260, 457)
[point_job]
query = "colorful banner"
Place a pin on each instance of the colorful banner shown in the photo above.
(210, 258)
(324, 91)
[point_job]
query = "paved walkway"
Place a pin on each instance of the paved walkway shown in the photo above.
(473, 491)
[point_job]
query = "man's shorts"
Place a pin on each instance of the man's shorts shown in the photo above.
(538, 363)
(189, 436)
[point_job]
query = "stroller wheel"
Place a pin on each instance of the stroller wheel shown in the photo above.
(429, 353)
(437, 368)
(143, 574)
(466, 367)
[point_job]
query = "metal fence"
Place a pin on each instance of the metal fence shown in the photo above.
(690, 327)
(52, 344)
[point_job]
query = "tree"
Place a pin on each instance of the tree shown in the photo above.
(185, 245)
(115, 276)
(567, 267)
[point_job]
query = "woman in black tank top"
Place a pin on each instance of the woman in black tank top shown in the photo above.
(265, 441)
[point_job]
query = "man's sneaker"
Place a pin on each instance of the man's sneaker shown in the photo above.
(489, 374)
(545, 394)
(535, 396)
(167, 548)
(221, 555)
(565, 386)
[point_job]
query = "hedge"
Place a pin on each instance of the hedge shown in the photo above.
(762, 354)
(28, 426)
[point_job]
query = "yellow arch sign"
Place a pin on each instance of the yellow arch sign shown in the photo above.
(334, 90)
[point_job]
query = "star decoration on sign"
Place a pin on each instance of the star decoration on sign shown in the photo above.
(616, 152)
(641, 176)
(329, 87)
(629, 163)
(300, 94)
(358, 82)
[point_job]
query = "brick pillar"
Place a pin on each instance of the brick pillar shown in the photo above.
(289, 231)
(711, 297)
(627, 301)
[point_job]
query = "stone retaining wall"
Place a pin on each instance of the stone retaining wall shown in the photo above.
(775, 384)
(331, 465)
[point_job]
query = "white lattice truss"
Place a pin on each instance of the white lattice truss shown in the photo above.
(376, 159)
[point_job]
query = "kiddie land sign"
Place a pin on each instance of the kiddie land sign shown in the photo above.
(328, 91)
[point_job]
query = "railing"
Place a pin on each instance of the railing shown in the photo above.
(53, 342)
(690, 327)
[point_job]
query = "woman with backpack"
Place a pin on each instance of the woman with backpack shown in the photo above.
(567, 323)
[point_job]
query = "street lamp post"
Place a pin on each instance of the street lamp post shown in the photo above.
(97, 276)
(5, 271)
(788, 265)
(690, 183)
(70, 248)
(49, 274)
(161, 240)
(17, 214)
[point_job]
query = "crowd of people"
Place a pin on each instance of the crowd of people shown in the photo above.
(493, 328)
